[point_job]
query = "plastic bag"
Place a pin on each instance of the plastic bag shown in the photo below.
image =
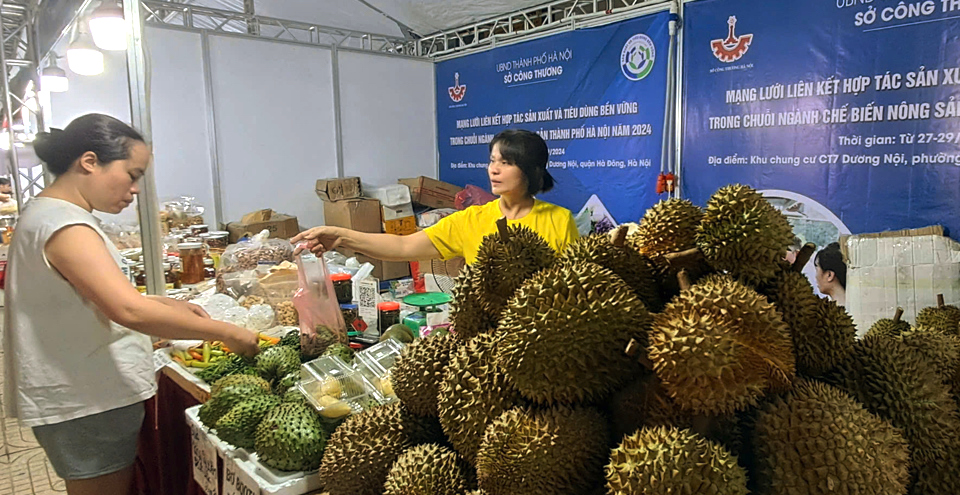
(237, 316)
(260, 250)
(472, 196)
(217, 304)
(278, 286)
(260, 317)
(321, 323)
(238, 284)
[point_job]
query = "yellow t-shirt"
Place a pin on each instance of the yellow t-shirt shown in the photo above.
(462, 233)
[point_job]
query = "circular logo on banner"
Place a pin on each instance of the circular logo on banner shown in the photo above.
(637, 57)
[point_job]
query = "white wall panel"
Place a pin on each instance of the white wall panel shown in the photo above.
(178, 105)
(275, 125)
(388, 117)
(106, 93)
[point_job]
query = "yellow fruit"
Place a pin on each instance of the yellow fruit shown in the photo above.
(333, 408)
(386, 387)
(331, 387)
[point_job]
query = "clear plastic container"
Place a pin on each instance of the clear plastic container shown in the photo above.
(191, 259)
(375, 363)
(334, 388)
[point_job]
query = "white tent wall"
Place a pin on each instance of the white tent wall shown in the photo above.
(388, 117)
(276, 134)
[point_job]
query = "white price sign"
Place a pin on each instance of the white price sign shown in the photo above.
(236, 481)
(160, 360)
(204, 461)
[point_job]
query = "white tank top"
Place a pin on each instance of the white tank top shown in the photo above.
(63, 359)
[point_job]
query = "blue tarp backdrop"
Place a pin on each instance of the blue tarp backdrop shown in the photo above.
(844, 110)
(596, 95)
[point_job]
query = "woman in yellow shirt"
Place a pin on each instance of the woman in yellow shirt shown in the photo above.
(517, 172)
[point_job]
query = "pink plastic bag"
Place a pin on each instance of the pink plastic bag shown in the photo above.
(472, 196)
(321, 323)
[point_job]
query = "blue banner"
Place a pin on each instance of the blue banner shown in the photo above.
(597, 97)
(844, 111)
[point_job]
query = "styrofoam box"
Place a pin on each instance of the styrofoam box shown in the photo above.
(885, 273)
(390, 195)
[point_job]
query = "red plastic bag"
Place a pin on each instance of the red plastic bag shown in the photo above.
(321, 323)
(472, 196)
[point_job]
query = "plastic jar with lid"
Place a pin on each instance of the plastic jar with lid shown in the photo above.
(199, 229)
(388, 315)
(209, 271)
(191, 261)
(343, 287)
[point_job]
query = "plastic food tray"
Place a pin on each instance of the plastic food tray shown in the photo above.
(375, 363)
(332, 386)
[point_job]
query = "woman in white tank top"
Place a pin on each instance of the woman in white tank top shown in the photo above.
(77, 357)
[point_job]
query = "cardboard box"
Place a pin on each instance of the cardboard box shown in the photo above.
(397, 212)
(339, 189)
(383, 270)
(431, 192)
(362, 215)
(280, 226)
(401, 226)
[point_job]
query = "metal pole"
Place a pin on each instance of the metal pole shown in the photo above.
(217, 176)
(13, 161)
(253, 26)
(337, 125)
(148, 206)
(32, 37)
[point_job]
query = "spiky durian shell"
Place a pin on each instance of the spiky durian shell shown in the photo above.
(720, 346)
(290, 438)
(556, 451)
(895, 382)
(565, 331)
(474, 392)
(886, 327)
(941, 350)
(502, 267)
(667, 461)
(419, 371)
(634, 268)
(668, 227)
(361, 451)
(945, 319)
(744, 235)
(427, 469)
(830, 341)
(811, 329)
(467, 312)
(818, 439)
(644, 403)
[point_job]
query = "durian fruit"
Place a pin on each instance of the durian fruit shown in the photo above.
(744, 235)
(666, 461)
(505, 260)
(818, 439)
(668, 227)
(720, 346)
(556, 451)
(644, 403)
(236, 379)
(340, 350)
(278, 361)
(290, 438)
(474, 392)
(942, 317)
(467, 312)
(365, 446)
(227, 396)
(634, 268)
(565, 331)
(894, 382)
(941, 350)
(239, 426)
(419, 371)
(829, 342)
(889, 327)
(427, 470)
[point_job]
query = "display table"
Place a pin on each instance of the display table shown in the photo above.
(164, 462)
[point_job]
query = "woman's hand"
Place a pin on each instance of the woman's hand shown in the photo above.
(242, 341)
(318, 240)
(182, 305)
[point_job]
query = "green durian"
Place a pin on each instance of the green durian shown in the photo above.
(668, 227)
(635, 269)
(468, 314)
(942, 317)
(889, 327)
(239, 426)
(427, 470)
(504, 264)
(290, 438)
(418, 372)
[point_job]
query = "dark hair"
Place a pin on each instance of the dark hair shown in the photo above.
(830, 259)
(4, 181)
(107, 137)
(796, 245)
(528, 151)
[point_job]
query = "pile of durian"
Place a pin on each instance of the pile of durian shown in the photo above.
(684, 358)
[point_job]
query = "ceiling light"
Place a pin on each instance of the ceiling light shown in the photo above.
(108, 27)
(83, 56)
(54, 79)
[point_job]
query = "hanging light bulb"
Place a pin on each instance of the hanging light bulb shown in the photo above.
(83, 56)
(108, 27)
(53, 78)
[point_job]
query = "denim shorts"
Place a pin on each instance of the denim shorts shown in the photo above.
(95, 445)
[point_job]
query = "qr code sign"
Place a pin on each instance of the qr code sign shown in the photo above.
(367, 296)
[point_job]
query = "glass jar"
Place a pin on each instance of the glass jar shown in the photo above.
(191, 261)
(140, 278)
(199, 229)
(389, 315)
(209, 271)
(171, 277)
(218, 239)
(343, 287)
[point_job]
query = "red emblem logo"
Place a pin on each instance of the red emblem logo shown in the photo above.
(457, 91)
(734, 47)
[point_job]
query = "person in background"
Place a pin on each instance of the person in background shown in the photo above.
(78, 361)
(6, 192)
(792, 251)
(832, 273)
(517, 173)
